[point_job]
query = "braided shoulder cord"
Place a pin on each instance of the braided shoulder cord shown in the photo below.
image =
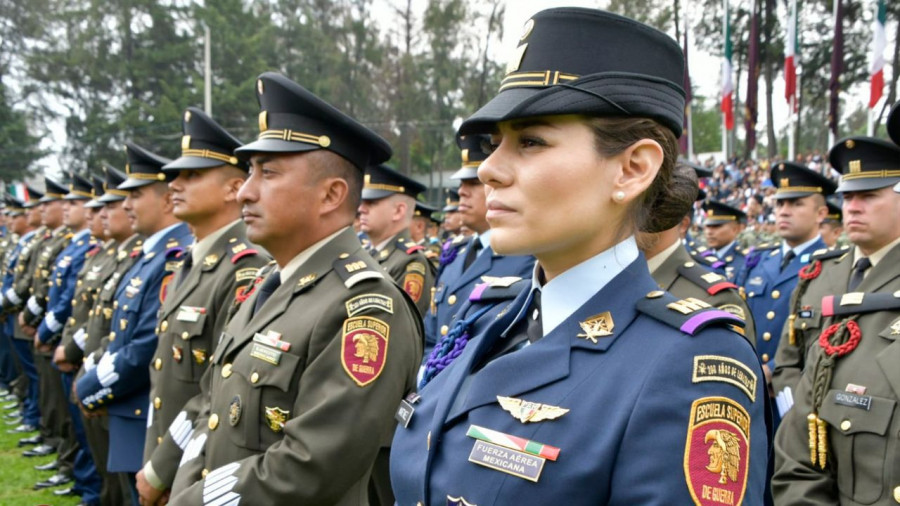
(451, 346)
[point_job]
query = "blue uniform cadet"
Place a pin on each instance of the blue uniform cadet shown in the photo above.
(727, 260)
(121, 379)
(511, 432)
(592, 386)
(461, 268)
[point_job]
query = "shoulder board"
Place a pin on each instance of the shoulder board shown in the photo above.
(412, 248)
(710, 281)
(825, 254)
(175, 252)
(353, 269)
(853, 303)
(711, 261)
(688, 315)
(243, 253)
(497, 289)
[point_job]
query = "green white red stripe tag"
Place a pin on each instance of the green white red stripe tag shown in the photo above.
(513, 442)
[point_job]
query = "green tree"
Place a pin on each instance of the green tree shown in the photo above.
(18, 145)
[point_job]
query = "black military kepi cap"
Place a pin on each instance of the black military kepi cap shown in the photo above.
(865, 163)
(13, 206)
(97, 191)
(472, 152)
(893, 123)
(294, 120)
(33, 197)
(424, 210)
(79, 189)
(591, 62)
(834, 211)
(143, 168)
(451, 203)
(717, 213)
(382, 181)
(53, 191)
(113, 177)
(205, 144)
(793, 180)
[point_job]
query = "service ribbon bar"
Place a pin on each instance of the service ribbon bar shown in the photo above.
(513, 442)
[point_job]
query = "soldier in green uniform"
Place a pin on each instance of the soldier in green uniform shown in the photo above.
(54, 414)
(219, 266)
(424, 232)
(832, 227)
(302, 389)
(123, 253)
(673, 268)
(385, 213)
(838, 443)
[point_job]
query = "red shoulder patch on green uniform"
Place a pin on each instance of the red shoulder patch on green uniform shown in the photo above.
(717, 451)
(364, 348)
(412, 249)
(242, 254)
(164, 287)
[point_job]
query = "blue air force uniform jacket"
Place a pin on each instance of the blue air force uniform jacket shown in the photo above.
(121, 379)
(768, 291)
(730, 262)
(453, 284)
(659, 410)
(62, 286)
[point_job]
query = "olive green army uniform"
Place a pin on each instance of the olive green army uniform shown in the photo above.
(826, 274)
(301, 394)
(407, 264)
(855, 448)
(191, 320)
(96, 337)
(685, 278)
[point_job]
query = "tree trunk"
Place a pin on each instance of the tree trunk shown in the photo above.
(769, 66)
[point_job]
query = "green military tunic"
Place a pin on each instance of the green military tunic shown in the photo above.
(190, 321)
(826, 274)
(301, 395)
(40, 270)
(685, 278)
(407, 264)
(98, 263)
(856, 462)
(14, 296)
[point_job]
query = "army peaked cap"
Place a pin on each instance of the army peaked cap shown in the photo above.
(865, 163)
(382, 181)
(205, 144)
(794, 181)
(143, 168)
(292, 119)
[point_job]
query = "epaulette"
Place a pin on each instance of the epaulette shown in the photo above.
(852, 303)
(412, 247)
(688, 315)
(711, 261)
(710, 281)
(241, 250)
(826, 253)
(352, 269)
(496, 289)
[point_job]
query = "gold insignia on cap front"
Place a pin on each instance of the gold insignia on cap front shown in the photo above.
(785, 181)
(527, 411)
(324, 141)
(516, 59)
(526, 30)
(186, 141)
(187, 116)
(259, 86)
(600, 325)
(850, 144)
(263, 119)
(855, 165)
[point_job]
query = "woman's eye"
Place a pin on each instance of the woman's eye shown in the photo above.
(529, 142)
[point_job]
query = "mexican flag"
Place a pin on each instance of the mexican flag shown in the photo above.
(879, 42)
(727, 71)
(790, 58)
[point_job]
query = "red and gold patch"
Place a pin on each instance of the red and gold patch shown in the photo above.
(364, 348)
(717, 452)
(164, 288)
(413, 284)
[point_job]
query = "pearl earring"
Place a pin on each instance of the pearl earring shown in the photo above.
(619, 196)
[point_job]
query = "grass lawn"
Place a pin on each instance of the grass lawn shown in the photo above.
(18, 476)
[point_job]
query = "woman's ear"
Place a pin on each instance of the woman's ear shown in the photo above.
(640, 164)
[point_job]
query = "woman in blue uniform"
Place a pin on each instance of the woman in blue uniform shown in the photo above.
(592, 386)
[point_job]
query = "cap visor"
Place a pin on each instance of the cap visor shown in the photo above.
(93, 204)
(272, 146)
(109, 198)
(192, 163)
(132, 183)
(73, 196)
(465, 173)
(858, 185)
(791, 195)
(498, 109)
(370, 194)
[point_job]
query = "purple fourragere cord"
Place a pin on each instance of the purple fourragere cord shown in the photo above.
(448, 253)
(450, 347)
